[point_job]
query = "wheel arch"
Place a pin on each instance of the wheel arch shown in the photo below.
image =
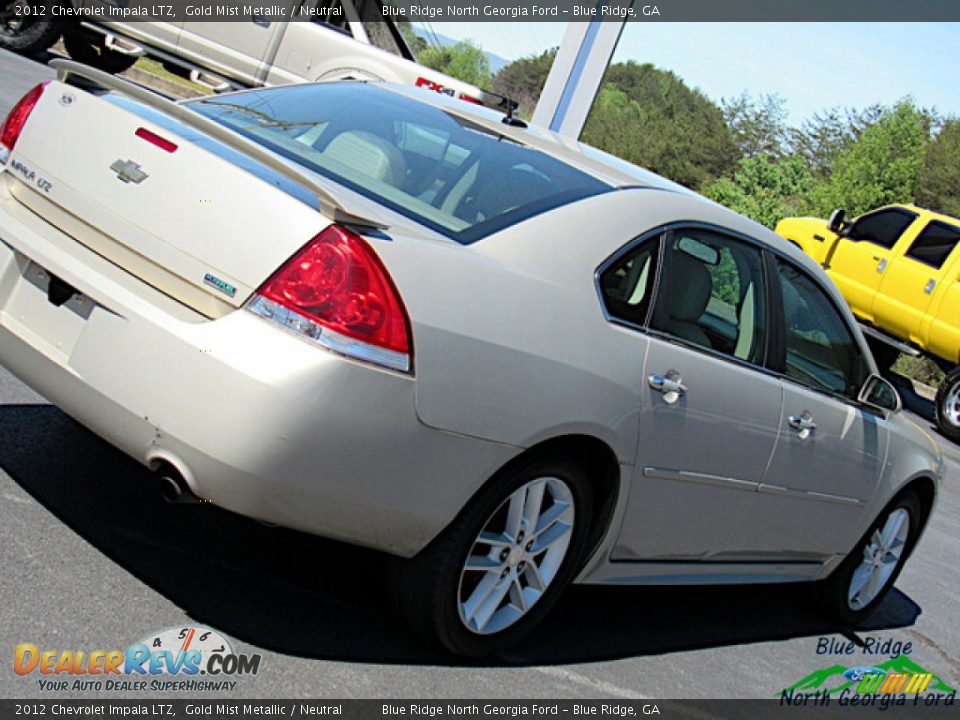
(598, 460)
(925, 488)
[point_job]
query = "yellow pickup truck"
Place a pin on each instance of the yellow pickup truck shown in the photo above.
(899, 269)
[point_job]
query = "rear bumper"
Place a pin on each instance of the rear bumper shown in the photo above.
(257, 420)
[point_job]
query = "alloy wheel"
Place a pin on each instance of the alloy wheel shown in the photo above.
(516, 556)
(951, 405)
(881, 556)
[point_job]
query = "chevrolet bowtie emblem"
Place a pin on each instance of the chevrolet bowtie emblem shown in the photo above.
(129, 171)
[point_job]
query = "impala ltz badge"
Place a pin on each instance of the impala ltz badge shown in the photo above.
(129, 171)
(221, 285)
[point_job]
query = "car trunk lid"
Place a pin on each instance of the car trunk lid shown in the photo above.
(171, 211)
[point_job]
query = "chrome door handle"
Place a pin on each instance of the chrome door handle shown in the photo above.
(882, 265)
(931, 284)
(669, 385)
(803, 424)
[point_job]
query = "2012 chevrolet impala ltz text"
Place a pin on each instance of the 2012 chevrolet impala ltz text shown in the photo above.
(513, 362)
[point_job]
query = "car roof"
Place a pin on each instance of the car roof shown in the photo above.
(608, 168)
(928, 214)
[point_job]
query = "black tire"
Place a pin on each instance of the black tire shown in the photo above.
(90, 49)
(948, 405)
(834, 598)
(27, 36)
(426, 589)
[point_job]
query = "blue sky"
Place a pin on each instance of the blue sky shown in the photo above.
(814, 66)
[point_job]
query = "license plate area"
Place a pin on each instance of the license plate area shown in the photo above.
(45, 311)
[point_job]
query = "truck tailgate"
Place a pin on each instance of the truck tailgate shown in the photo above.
(180, 217)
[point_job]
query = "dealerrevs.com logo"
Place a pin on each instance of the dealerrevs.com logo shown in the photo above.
(182, 658)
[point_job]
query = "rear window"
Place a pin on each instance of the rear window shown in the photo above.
(438, 169)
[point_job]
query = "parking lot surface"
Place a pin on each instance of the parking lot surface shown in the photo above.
(91, 558)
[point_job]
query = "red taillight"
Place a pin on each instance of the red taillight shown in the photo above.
(154, 139)
(13, 125)
(337, 282)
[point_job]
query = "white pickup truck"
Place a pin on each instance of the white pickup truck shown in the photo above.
(343, 39)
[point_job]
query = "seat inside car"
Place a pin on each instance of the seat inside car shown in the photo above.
(503, 192)
(689, 292)
(368, 154)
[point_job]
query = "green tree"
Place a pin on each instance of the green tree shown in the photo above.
(464, 61)
(523, 79)
(881, 167)
(416, 43)
(758, 126)
(650, 117)
(764, 189)
(939, 185)
(823, 137)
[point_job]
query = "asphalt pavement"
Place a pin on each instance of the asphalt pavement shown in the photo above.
(91, 558)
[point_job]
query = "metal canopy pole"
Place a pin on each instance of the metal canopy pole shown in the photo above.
(574, 79)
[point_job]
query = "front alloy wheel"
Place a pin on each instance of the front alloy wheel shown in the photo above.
(881, 557)
(492, 575)
(862, 580)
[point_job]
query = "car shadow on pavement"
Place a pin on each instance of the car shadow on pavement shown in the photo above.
(301, 595)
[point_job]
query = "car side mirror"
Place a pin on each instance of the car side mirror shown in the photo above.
(835, 223)
(880, 393)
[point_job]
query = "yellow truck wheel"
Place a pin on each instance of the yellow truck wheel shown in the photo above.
(948, 405)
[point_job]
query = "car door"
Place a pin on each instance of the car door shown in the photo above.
(709, 411)
(911, 280)
(236, 49)
(161, 35)
(941, 331)
(331, 38)
(831, 449)
(861, 255)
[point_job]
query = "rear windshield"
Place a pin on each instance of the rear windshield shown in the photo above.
(440, 170)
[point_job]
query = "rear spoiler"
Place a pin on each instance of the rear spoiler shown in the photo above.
(330, 204)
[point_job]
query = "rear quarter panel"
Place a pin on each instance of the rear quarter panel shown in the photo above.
(510, 340)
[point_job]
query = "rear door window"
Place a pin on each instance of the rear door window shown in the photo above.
(627, 285)
(934, 245)
(713, 294)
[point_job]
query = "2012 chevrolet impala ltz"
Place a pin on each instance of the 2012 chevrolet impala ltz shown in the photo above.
(385, 316)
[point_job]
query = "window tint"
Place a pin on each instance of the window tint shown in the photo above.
(713, 294)
(934, 244)
(436, 168)
(627, 285)
(821, 352)
(882, 228)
